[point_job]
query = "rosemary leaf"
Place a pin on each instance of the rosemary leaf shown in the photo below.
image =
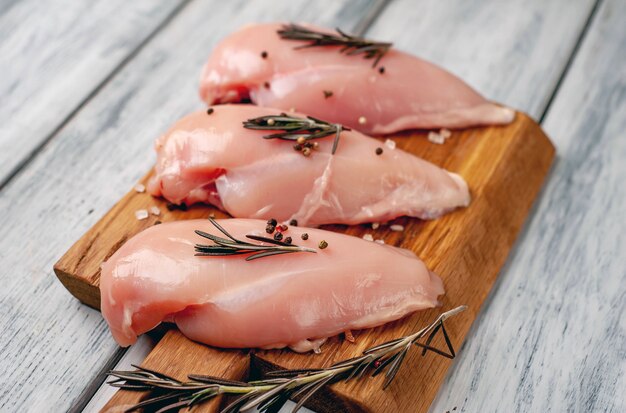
(233, 246)
(295, 128)
(270, 394)
(314, 389)
(350, 45)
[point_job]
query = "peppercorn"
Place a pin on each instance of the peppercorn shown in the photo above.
(379, 151)
(323, 244)
(306, 151)
(270, 228)
(301, 140)
(304, 236)
(288, 240)
(293, 223)
(283, 227)
(297, 147)
(278, 236)
(381, 70)
(209, 111)
(264, 54)
(272, 222)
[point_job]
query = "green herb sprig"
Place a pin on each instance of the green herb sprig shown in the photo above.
(295, 128)
(232, 246)
(269, 395)
(350, 45)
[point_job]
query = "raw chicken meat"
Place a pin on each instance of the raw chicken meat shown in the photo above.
(291, 300)
(212, 158)
(401, 92)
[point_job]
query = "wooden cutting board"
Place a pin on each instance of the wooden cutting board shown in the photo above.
(505, 167)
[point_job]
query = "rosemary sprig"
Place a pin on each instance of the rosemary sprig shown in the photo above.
(232, 246)
(351, 45)
(270, 394)
(295, 128)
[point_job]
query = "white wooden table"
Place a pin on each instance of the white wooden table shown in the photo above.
(85, 87)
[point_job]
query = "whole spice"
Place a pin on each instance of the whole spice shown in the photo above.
(288, 240)
(323, 244)
(209, 111)
(294, 128)
(304, 236)
(232, 246)
(270, 229)
(327, 94)
(264, 54)
(278, 236)
(293, 223)
(379, 151)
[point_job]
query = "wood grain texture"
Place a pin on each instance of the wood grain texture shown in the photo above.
(466, 248)
(553, 335)
(513, 52)
(52, 346)
(53, 55)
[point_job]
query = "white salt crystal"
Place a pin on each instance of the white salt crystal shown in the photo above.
(390, 144)
(375, 225)
(434, 137)
(140, 188)
(379, 241)
(445, 133)
(397, 228)
(141, 214)
(154, 210)
(368, 237)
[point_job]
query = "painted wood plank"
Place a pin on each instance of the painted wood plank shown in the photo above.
(553, 337)
(53, 54)
(52, 345)
(512, 52)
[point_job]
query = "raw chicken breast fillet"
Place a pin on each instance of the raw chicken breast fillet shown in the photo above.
(295, 300)
(410, 93)
(214, 159)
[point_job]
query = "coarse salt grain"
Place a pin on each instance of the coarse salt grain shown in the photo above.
(362, 120)
(140, 188)
(445, 133)
(368, 237)
(390, 144)
(379, 241)
(434, 137)
(397, 228)
(141, 214)
(375, 225)
(154, 210)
